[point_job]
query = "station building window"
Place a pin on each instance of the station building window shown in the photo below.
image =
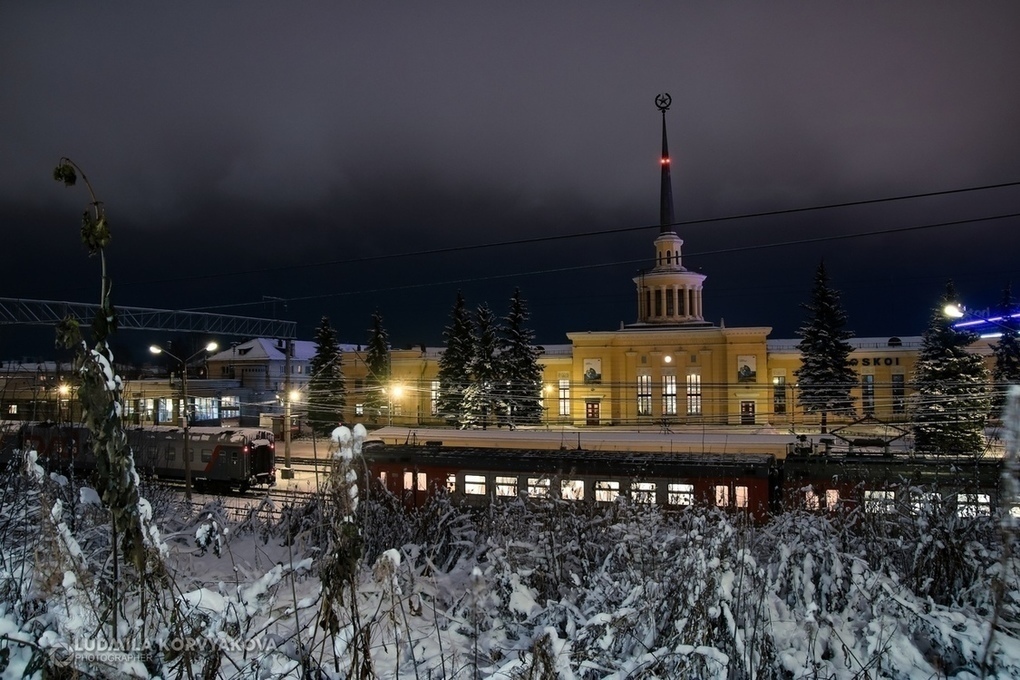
(694, 394)
(434, 398)
(644, 394)
(230, 406)
(564, 396)
(669, 395)
(779, 394)
(868, 394)
(899, 400)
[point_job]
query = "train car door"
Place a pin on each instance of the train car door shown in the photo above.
(747, 413)
(591, 412)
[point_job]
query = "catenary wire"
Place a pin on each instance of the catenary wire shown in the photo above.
(588, 234)
(560, 270)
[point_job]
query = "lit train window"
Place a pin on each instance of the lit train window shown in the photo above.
(382, 477)
(451, 482)
(740, 496)
(642, 492)
(572, 489)
(538, 487)
(474, 485)
(925, 503)
(973, 505)
(831, 498)
(506, 486)
(606, 491)
(722, 496)
(680, 494)
(409, 481)
(879, 501)
(811, 500)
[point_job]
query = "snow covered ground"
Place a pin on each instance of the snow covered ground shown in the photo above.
(338, 587)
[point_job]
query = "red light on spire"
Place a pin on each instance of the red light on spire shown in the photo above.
(664, 161)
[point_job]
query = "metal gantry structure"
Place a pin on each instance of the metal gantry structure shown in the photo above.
(18, 311)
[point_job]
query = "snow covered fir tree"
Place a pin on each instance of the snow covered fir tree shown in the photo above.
(1006, 371)
(326, 391)
(454, 375)
(825, 378)
(519, 371)
(482, 404)
(953, 398)
(377, 362)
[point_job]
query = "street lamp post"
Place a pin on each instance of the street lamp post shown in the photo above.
(290, 396)
(156, 349)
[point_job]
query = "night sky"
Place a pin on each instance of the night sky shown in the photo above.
(293, 160)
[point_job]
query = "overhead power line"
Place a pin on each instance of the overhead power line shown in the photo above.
(584, 234)
(601, 265)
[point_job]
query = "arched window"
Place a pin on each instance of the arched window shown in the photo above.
(669, 257)
(895, 342)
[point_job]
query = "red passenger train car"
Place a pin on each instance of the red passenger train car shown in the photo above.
(231, 457)
(971, 486)
(483, 475)
(758, 484)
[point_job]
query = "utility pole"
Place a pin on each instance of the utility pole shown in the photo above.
(287, 472)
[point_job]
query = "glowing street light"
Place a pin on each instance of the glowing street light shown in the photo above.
(393, 392)
(958, 311)
(156, 349)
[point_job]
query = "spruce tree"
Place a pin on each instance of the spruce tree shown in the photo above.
(326, 393)
(952, 399)
(825, 378)
(519, 367)
(455, 364)
(481, 399)
(1007, 352)
(377, 361)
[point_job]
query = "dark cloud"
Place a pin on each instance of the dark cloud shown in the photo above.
(239, 148)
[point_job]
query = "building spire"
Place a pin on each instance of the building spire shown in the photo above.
(662, 102)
